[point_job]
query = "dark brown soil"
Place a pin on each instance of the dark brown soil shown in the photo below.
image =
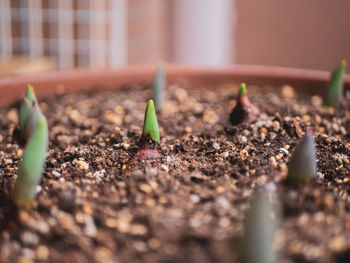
(190, 206)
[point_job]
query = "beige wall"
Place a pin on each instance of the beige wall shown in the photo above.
(296, 33)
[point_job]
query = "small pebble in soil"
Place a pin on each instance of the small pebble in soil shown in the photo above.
(244, 154)
(268, 123)
(195, 198)
(12, 115)
(242, 139)
(225, 154)
(188, 129)
(81, 165)
(259, 124)
(246, 132)
(216, 146)
(42, 253)
(288, 91)
(56, 173)
(276, 126)
(29, 238)
(284, 150)
(272, 135)
(272, 160)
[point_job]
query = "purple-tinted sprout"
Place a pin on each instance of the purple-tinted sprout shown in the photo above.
(149, 142)
(244, 111)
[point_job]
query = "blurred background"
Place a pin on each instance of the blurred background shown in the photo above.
(37, 35)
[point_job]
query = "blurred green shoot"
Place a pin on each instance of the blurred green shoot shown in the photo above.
(33, 127)
(159, 84)
(150, 124)
(243, 89)
(334, 92)
(256, 246)
(302, 166)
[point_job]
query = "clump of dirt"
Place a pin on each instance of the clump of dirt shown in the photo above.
(189, 205)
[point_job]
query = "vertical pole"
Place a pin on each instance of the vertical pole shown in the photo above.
(97, 25)
(23, 18)
(5, 29)
(202, 32)
(65, 34)
(118, 33)
(35, 22)
(92, 18)
(83, 42)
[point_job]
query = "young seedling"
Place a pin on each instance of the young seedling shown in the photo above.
(150, 124)
(244, 111)
(302, 166)
(334, 92)
(256, 245)
(159, 84)
(29, 106)
(34, 132)
(149, 141)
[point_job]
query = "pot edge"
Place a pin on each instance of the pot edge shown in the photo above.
(75, 80)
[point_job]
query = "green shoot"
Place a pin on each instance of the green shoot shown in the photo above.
(150, 124)
(28, 101)
(33, 128)
(30, 170)
(259, 231)
(302, 165)
(29, 113)
(243, 89)
(159, 85)
(334, 92)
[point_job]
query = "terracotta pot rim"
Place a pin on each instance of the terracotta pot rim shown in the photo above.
(76, 80)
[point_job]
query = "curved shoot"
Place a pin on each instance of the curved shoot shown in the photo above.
(31, 167)
(34, 131)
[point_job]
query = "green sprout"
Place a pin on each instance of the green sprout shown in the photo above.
(150, 124)
(33, 128)
(159, 84)
(243, 89)
(302, 165)
(149, 142)
(256, 245)
(334, 92)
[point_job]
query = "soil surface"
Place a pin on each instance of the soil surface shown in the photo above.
(190, 205)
